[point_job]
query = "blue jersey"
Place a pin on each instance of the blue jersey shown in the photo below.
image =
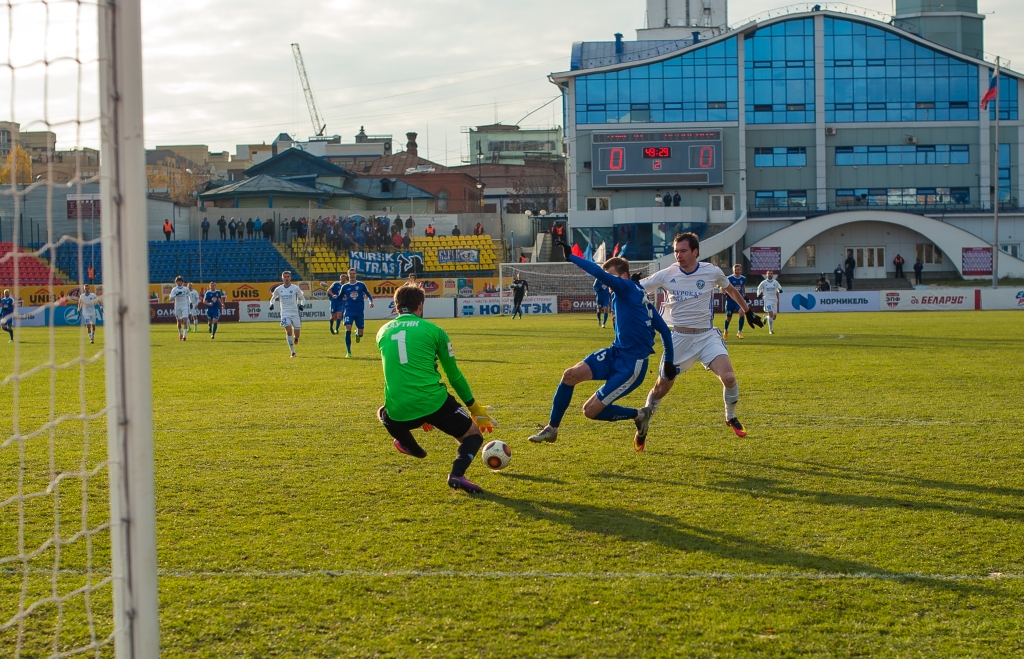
(635, 319)
(6, 306)
(213, 300)
(739, 283)
(353, 295)
(603, 294)
(334, 292)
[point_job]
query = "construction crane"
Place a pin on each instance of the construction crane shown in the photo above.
(314, 114)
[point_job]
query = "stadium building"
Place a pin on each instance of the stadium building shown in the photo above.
(798, 137)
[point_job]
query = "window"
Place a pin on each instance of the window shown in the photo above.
(442, 201)
(792, 261)
(1004, 173)
(903, 197)
(1007, 100)
(599, 203)
(768, 199)
(810, 255)
(938, 154)
(781, 156)
(779, 66)
(702, 85)
(890, 78)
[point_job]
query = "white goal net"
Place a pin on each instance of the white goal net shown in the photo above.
(573, 287)
(77, 532)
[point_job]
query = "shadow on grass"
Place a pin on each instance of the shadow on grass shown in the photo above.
(534, 479)
(823, 470)
(640, 527)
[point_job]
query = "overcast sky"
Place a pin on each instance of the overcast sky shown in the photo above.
(221, 73)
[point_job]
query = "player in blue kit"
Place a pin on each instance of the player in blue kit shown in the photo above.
(7, 306)
(623, 365)
(337, 303)
(352, 294)
(214, 300)
(739, 282)
(604, 300)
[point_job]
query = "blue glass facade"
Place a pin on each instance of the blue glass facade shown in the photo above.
(874, 75)
(938, 154)
(699, 86)
(904, 197)
(781, 156)
(1004, 172)
(780, 199)
(779, 73)
(1007, 100)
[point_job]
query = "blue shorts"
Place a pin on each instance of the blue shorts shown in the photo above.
(622, 374)
(603, 302)
(212, 314)
(337, 306)
(730, 306)
(352, 318)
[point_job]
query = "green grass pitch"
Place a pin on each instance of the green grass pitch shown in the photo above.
(876, 508)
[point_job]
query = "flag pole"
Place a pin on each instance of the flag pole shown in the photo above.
(995, 208)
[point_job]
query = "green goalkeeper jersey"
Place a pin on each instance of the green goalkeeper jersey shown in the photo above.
(410, 348)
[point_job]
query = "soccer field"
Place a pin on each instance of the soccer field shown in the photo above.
(875, 508)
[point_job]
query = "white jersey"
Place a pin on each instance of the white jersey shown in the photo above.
(193, 299)
(291, 297)
(180, 297)
(769, 289)
(89, 302)
(690, 295)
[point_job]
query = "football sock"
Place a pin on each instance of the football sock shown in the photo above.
(605, 321)
(741, 324)
(563, 397)
(406, 439)
(598, 317)
(359, 337)
(214, 331)
(616, 413)
(348, 340)
(652, 402)
(732, 396)
(9, 331)
(291, 344)
(771, 324)
(467, 451)
(727, 321)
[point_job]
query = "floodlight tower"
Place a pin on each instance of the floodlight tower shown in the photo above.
(314, 114)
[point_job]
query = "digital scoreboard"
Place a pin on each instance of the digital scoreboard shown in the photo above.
(658, 159)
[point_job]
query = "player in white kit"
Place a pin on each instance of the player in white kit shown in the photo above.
(292, 301)
(182, 299)
(87, 311)
(690, 287)
(769, 291)
(193, 307)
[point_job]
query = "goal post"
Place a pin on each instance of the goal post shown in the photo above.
(126, 297)
(573, 287)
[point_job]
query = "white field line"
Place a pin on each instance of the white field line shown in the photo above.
(540, 574)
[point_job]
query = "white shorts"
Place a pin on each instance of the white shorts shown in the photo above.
(705, 347)
(181, 314)
(294, 322)
(88, 319)
(193, 312)
(771, 306)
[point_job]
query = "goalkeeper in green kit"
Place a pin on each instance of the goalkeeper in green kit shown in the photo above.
(414, 395)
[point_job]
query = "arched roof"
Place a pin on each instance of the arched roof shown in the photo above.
(948, 238)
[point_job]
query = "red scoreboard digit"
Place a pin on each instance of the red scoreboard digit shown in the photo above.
(616, 159)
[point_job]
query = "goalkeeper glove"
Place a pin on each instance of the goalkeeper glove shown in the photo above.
(427, 427)
(566, 250)
(271, 306)
(753, 319)
(301, 307)
(669, 371)
(482, 415)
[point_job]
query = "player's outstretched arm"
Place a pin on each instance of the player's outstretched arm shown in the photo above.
(617, 284)
(368, 296)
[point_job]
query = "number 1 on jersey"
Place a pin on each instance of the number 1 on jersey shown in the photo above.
(403, 354)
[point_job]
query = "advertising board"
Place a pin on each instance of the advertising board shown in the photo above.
(823, 302)
(163, 313)
(490, 306)
(1002, 298)
(948, 299)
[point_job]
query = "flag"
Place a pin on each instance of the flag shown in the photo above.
(601, 255)
(615, 252)
(576, 251)
(622, 251)
(588, 254)
(993, 89)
